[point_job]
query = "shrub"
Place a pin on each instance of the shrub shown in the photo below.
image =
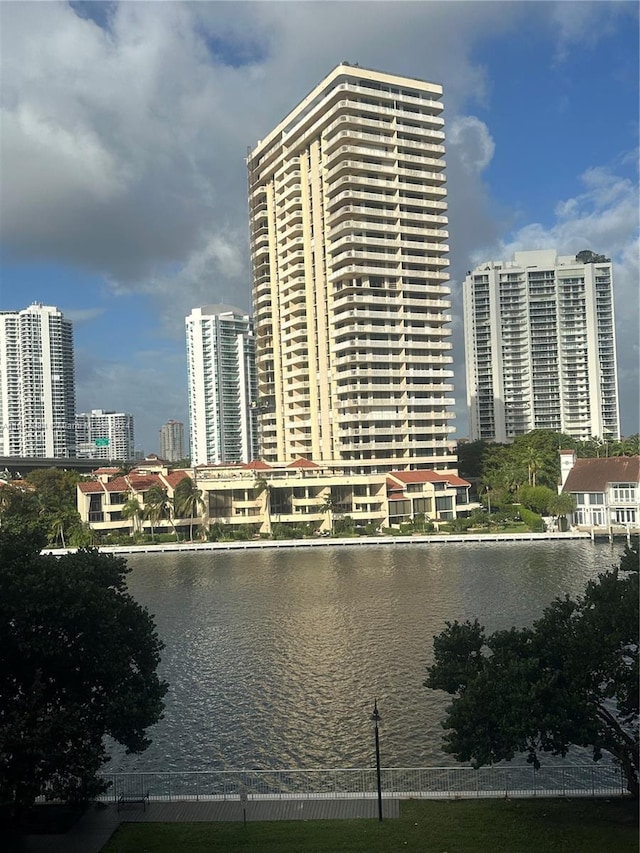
(532, 520)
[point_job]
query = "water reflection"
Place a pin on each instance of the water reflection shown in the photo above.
(273, 658)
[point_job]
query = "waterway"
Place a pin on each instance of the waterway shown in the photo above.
(274, 657)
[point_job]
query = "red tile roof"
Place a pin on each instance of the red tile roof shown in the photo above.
(427, 477)
(593, 475)
(91, 488)
(302, 463)
(454, 480)
(174, 477)
(399, 496)
(415, 476)
(257, 465)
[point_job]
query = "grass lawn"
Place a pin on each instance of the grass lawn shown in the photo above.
(464, 826)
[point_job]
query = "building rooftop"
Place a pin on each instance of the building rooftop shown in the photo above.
(594, 475)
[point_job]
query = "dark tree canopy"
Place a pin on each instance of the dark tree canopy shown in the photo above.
(570, 679)
(46, 501)
(78, 661)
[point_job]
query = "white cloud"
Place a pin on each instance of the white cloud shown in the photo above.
(583, 23)
(82, 315)
(123, 141)
(123, 145)
(472, 137)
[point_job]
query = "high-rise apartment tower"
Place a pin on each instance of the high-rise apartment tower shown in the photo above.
(37, 383)
(104, 435)
(348, 241)
(222, 385)
(540, 346)
(172, 441)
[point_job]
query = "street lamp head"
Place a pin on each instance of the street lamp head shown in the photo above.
(375, 717)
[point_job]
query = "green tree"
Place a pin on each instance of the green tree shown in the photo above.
(156, 506)
(78, 661)
(20, 511)
(537, 498)
(329, 507)
(562, 505)
(56, 491)
(471, 455)
(263, 487)
(132, 509)
(538, 452)
(534, 461)
(181, 464)
(631, 445)
(187, 501)
(570, 679)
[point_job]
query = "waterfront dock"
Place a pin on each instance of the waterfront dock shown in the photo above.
(332, 542)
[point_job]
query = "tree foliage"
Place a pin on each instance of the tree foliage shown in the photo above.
(570, 679)
(533, 456)
(156, 506)
(78, 661)
(188, 501)
(47, 502)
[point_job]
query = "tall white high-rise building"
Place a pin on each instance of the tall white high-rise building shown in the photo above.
(104, 435)
(348, 235)
(222, 385)
(172, 441)
(37, 383)
(540, 346)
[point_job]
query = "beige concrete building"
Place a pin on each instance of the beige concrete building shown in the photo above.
(254, 497)
(348, 227)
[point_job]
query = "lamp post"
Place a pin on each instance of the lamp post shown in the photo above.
(375, 719)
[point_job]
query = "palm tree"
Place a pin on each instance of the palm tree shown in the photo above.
(264, 487)
(534, 461)
(329, 506)
(156, 505)
(57, 529)
(187, 501)
(133, 510)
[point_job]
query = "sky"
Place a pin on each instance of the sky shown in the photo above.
(125, 127)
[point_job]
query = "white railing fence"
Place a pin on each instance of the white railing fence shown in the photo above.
(424, 782)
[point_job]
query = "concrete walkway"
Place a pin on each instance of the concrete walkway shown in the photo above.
(96, 827)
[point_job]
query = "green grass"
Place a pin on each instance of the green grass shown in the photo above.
(465, 826)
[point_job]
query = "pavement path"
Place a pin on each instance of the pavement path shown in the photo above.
(97, 825)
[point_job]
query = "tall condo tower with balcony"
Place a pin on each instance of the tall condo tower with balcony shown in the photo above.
(104, 435)
(222, 385)
(172, 441)
(540, 346)
(348, 224)
(37, 383)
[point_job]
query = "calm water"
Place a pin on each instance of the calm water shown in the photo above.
(274, 657)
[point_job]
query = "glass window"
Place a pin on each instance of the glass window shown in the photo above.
(623, 492)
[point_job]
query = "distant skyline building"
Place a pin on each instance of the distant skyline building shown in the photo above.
(103, 434)
(222, 385)
(540, 346)
(348, 230)
(37, 383)
(172, 441)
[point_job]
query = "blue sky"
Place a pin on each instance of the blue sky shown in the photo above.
(125, 127)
